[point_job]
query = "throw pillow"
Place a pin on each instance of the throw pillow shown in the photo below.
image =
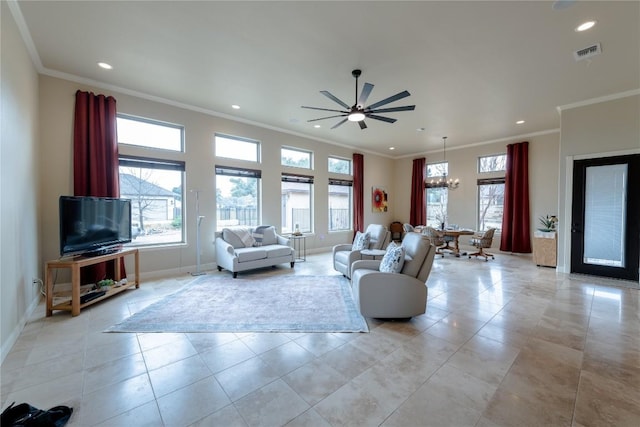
(361, 241)
(393, 259)
(238, 237)
(262, 236)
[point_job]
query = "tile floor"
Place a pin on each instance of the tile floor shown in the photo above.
(503, 343)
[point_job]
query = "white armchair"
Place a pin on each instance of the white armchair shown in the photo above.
(344, 255)
(395, 295)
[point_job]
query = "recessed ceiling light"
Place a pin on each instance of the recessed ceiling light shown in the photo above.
(235, 107)
(104, 65)
(585, 26)
(420, 130)
(316, 126)
(392, 148)
(519, 122)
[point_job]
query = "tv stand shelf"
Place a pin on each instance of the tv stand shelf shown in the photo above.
(75, 264)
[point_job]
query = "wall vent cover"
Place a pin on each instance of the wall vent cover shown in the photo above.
(587, 52)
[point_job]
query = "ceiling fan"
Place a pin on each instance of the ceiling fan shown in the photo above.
(358, 112)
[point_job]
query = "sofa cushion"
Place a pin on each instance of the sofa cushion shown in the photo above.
(238, 237)
(393, 259)
(265, 235)
(276, 251)
(250, 254)
(361, 241)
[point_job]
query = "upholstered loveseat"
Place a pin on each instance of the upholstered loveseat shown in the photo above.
(241, 249)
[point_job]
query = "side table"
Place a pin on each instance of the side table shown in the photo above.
(299, 247)
(374, 253)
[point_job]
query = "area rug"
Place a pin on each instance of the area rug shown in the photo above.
(214, 303)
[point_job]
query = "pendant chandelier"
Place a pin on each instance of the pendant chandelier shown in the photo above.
(451, 184)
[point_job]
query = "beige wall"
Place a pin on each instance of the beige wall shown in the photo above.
(57, 104)
(598, 130)
(462, 208)
(19, 170)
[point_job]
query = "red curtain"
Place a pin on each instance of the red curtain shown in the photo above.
(95, 159)
(358, 192)
(418, 212)
(516, 232)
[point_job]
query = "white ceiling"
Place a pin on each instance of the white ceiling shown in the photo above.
(473, 68)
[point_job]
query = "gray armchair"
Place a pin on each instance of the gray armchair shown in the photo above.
(344, 255)
(395, 295)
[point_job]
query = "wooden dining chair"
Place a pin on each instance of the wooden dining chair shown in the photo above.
(482, 241)
(437, 239)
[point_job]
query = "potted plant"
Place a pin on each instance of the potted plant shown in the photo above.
(105, 284)
(548, 223)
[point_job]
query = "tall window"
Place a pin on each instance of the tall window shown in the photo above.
(490, 203)
(340, 202)
(296, 158)
(237, 197)
(154, 186)
(338, 165)
(437, 196)
(235, 147)
(296, 203)
(491, 191)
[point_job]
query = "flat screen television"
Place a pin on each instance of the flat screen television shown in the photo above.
(93, 225)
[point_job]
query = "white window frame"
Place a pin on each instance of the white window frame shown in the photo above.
(248, 150)
(288, 223)
(349, 221)
(235, 172)
(340, 159)
(303, 154)
(148, 125)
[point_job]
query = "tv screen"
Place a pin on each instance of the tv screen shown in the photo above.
(93, 225)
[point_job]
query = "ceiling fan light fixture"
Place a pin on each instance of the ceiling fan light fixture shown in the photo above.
(356, 116)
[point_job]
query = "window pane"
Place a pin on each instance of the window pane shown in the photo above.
(339, 207)
(156, 204)
(337, 165)
(296, 207)
(236, 201)
(490, 206)
(492, 163)
(605, 215)
(437, 199)
(295, 158)
(148, 133)
(435, 170)
(237, 148)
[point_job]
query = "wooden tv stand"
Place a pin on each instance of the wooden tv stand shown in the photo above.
(75, 264)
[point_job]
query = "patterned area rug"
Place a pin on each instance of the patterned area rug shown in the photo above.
(269, 304)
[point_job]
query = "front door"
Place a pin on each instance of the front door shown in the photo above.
(605, 219)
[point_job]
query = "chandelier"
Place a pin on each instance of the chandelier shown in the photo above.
(443, 182)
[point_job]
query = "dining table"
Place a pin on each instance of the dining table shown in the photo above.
(455, 239)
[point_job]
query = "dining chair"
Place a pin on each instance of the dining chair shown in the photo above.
(482, 241)
(437, 239)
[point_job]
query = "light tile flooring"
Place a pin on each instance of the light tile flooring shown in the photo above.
(503, 343)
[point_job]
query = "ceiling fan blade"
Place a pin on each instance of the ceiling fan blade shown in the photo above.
(366, 90)
(394, 109)
(333, 98)
(324, 109)
(338, 124)
(362, 124)
(330, 117)
(389, 99)
(384, 119)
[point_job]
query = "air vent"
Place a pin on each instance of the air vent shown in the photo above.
(587, 52)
